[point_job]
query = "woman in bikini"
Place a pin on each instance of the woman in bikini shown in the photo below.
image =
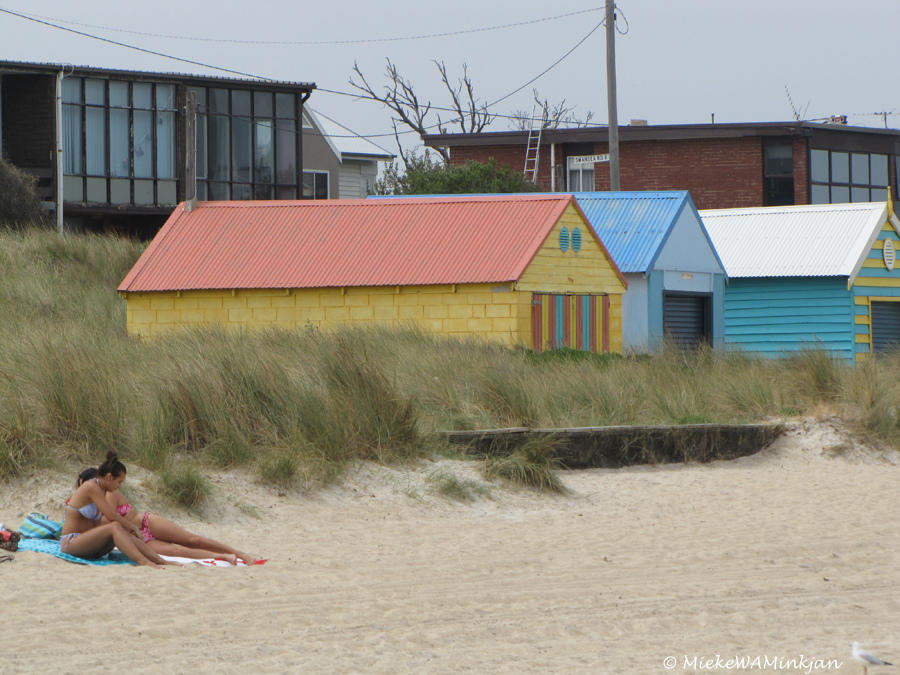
(165, 537)
(84, 536)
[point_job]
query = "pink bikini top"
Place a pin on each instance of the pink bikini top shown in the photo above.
(122, 509)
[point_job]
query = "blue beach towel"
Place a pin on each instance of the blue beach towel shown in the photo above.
(40, 526)
(51, 546)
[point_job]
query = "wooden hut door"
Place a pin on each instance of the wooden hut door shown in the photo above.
(574, 321)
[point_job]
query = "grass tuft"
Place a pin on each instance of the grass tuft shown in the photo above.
(531, 465)
(450, 486)
(185, 486)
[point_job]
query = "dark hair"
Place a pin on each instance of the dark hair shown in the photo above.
(111, 465)
(87, 474)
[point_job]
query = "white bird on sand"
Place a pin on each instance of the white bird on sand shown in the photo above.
(866, 658)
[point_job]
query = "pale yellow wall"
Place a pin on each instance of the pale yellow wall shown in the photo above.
(586, 272)
(491, 311)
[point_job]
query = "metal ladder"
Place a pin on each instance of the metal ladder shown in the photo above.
(533, 148)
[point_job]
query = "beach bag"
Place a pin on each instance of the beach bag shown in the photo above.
(9, 541)
(40, 526)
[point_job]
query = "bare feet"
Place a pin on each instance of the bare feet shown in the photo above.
(249, 559)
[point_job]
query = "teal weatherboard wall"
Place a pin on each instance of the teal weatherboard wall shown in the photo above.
(775, 315)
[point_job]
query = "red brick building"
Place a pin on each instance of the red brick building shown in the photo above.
(721, 165)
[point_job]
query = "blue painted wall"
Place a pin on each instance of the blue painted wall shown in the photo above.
(776, 315)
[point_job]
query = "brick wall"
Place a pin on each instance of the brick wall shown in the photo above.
(719, 173)
(28, 115)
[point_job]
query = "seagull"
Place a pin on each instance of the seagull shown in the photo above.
(866, 658)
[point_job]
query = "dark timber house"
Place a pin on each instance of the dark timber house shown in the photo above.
(111, 146)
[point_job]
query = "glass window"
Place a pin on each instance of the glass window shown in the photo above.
(240, 191)
(143, 95)
(119, 159)
(218, 101)
(118, 94)
(241, 149)
(71, 90)
(818, 194)
(315, 185)
(95, 92)
(240, 103)
(840, 194)
(165, 97)
(165, 145)
(264, 153)
(219, 149)
(286, 152)
(840, 167)
(218, 191)
(284, 106)
(778, 159)
(859, 194)
(143, 144)
(859, 169)
(262, 192)
(879, 170)
(286, 192)
(201, 146)
(262, 104)
(72, 148)
(879, 194)
(95, 141)
(818, 165)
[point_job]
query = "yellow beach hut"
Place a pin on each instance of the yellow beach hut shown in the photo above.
(522, 270)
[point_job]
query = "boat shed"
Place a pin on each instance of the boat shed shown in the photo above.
(818, 276)
(676, 282)
(519, 270)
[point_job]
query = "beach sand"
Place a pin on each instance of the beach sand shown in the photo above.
(788, 554)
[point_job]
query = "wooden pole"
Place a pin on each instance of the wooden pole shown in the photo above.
(611, 95)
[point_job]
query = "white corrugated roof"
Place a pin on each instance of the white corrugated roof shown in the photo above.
(796, 241)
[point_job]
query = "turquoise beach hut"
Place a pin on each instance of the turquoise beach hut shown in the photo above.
(817, 276)
(676, 282)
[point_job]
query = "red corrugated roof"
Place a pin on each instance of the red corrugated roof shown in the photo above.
(375, 242)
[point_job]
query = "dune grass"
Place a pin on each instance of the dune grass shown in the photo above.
(297, 407)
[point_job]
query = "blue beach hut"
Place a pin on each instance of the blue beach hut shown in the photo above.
(810, 276)
(676, 282)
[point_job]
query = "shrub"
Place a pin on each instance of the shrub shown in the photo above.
(19, 205)
(185, 486)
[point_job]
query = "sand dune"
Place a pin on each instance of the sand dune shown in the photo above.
(791, 553)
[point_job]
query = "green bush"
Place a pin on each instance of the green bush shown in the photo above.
(19, 205)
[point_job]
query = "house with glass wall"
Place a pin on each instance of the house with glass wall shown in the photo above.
(722, 165)
(114, 149)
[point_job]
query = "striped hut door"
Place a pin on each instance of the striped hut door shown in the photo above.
(604, 324)
(537, 316)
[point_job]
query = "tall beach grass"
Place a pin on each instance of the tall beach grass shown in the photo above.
(297, 407)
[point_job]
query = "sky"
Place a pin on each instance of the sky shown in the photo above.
(677, 61)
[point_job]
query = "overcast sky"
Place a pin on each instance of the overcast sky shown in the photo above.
(678, 61)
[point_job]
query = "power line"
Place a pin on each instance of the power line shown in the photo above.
(135, 47)
(325, 90)
(424, 36)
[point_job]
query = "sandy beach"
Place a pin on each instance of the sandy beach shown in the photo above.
(787, 554)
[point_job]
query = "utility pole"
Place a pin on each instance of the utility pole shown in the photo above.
(190, 151)
(611, 95)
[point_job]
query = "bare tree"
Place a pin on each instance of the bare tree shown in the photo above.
(466, 111)
(552, 116)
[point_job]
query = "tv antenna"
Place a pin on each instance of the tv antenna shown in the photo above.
(798, 116)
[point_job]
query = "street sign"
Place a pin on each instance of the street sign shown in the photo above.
(588, 159)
